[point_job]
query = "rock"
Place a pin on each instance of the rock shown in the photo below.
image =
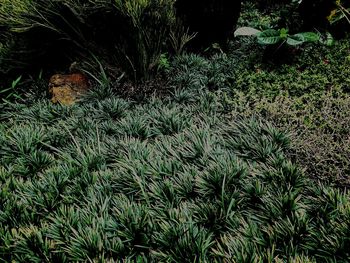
(67, 89)
(214, 20)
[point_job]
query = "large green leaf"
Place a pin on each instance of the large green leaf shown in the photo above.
(246, 31)
(295, 40)
(327, 40)
(310, 36)
(302, 38)
(269, 37)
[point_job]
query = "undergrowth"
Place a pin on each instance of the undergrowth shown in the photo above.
(199, 176)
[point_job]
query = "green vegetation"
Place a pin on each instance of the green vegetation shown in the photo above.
(297, 96)
(239, 155)
(131, 34)
(169, 181)
(280, 37)
(11, 92)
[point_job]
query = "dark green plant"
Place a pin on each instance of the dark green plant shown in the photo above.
(133, 33)
(11, 93)
(176, 181)
(148, 25)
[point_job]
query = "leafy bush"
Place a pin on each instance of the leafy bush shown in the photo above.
(283, 14)
(278, 6)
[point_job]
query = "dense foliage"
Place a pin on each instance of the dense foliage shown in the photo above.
(237, 157)
(129, 34)
(177, 180)
(298, 96)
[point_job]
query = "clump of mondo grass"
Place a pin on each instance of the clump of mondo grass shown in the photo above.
(159, 181)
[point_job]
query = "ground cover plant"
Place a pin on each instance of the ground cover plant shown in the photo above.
(236, 157)
(307, 93)
(168, 181)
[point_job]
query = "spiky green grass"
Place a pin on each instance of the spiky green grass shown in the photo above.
(174, 180)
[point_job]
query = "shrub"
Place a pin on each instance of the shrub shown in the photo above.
(282, 13)
(131, 34)
(146, 31)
